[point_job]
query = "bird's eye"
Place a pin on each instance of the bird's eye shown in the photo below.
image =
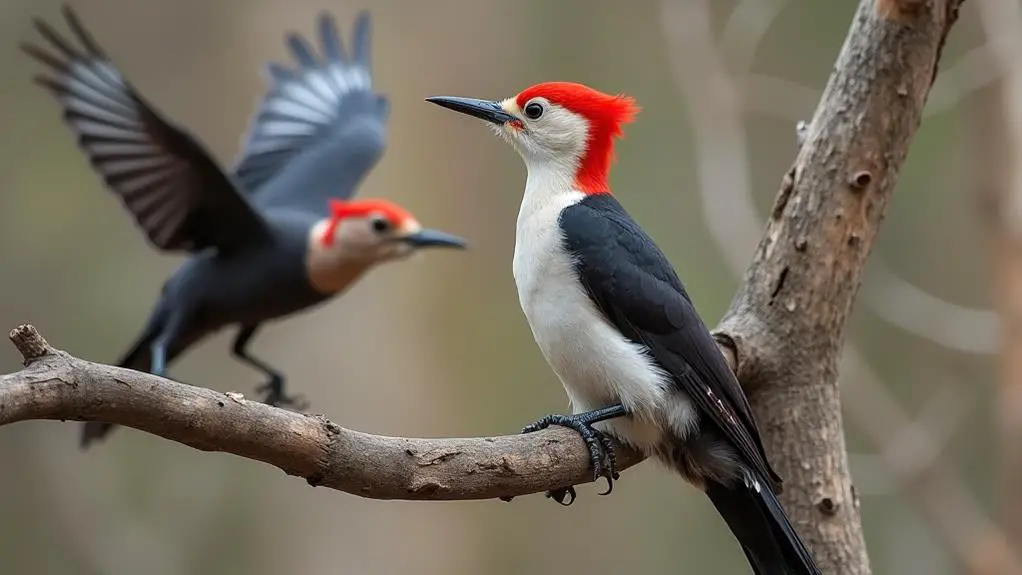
(380, 225)
(533, 111)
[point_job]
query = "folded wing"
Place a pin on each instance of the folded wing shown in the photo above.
(638, 291)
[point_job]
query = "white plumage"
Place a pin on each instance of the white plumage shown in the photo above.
(597, 365)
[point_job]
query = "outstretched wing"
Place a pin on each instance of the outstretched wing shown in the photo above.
(320, 128)
(172, 187)
(650, 307)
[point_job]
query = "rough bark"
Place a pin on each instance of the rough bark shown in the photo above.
(786, 325)
(55, 385)
(783, 333)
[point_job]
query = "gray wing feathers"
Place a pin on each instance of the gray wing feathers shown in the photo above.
(333, 50)
(175, 191)
(310, 122)
(363, 45)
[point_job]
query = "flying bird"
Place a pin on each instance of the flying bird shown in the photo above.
(277, 234)
(615, 323)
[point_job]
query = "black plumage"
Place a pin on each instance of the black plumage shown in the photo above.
(164, 177)
(614, 322)
(316, 134)
(636, 288)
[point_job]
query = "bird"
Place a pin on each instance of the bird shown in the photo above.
(278, 232)
(616, 325)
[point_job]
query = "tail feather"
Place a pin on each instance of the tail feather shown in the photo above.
(137, 358)
(757, 520)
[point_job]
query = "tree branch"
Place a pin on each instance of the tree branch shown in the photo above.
(783, 333)
(55, 385)
(786, 325)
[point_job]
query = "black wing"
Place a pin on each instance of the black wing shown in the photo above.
(170, 184)
(635, 286)
(320, 128)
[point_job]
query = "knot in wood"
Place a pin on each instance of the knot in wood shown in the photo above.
(827, 506)
(29, 342)
(861, 180)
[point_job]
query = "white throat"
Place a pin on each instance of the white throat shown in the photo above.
(548, 183)
(548, 190)
(596, 364)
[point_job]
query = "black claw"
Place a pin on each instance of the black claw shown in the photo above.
(275, 396)
(559, 495)
(612, 474)
(598, 444)
(296, 402)
(541, 424)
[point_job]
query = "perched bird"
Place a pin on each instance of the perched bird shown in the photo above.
(614, 322)
(276, 235)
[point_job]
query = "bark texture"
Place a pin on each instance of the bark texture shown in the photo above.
(55, 385)
(783, 333)
(786, 325)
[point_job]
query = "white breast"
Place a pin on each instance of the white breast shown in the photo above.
(596, 364)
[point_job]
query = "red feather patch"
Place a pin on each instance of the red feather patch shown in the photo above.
(339, 210)
(606, 114)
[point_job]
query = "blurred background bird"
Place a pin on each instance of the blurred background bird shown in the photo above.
(438, 346)
(279, 233)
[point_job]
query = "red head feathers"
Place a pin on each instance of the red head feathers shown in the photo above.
(606, 115)
(393, 213)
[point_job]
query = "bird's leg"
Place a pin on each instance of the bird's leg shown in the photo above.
(158, 364)
(275, 396)
(597, 442)
(274, 388)
(168, 333)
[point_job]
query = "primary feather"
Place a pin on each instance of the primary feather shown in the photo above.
(171, 185)
(320, 127)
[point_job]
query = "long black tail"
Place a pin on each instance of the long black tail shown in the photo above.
(137, 358)
(758, 521)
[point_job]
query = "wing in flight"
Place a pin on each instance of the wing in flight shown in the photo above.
(174, 189)
(320, 128)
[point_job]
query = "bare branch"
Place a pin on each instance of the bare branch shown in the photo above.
(783, 333)
(893, 298)
(803, 234)
(55, 385)
(787, 322)
(916, 452)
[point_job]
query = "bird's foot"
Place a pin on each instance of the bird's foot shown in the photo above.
(296, 402)
(598, 444)
(275, 396)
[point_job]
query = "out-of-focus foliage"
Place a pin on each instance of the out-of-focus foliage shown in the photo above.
(436, 346)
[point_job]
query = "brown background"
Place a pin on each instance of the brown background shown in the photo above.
(438, 346)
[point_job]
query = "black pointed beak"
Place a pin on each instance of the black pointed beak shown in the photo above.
(426, 238)
(482, 109)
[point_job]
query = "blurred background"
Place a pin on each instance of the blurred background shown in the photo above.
(932, 385)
